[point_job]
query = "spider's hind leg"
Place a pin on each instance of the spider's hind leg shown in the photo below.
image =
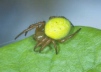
(70, 36)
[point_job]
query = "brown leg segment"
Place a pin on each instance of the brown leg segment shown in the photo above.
(30, 28)
(45, 44)
(42, 43)
(55, 46)
(40, 28)
(70, 36)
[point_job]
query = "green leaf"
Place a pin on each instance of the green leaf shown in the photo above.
(82, 53)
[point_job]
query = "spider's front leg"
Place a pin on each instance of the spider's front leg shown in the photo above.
(55, 46)
(30, 28)
(39, 33)
(43, 43)
(70, 36)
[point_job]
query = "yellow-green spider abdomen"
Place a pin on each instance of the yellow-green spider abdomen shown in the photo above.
(57, 28)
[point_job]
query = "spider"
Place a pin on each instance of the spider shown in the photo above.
(41, 33)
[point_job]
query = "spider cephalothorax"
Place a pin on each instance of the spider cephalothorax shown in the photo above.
(56, 29)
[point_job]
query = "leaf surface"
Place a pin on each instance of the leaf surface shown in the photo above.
(82, 53)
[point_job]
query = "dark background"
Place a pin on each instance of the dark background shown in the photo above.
(17, 15)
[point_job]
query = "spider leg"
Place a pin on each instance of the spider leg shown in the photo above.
(30, 28)
(55, 46)
(45, 44)
(70, 36)
(37, 29)
(25, 31)
(40, 43)
(40, 28)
